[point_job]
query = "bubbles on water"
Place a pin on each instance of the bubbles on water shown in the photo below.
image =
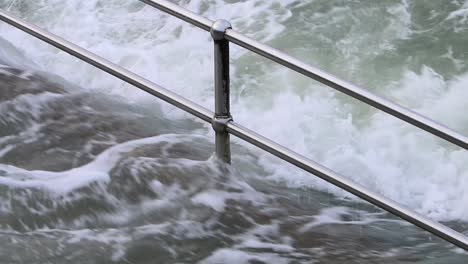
(126, 185)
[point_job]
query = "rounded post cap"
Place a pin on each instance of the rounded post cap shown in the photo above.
(218, 29)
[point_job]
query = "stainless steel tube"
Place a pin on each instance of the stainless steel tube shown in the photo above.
(222, 82)
(243, 133)
(110, 68)
(334, 178)
(369, 98)
(294, 64)
(182, 13)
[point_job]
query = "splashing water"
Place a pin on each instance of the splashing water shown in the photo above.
(90, 166)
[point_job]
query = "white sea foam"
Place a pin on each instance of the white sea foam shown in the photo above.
(371, 148)
(334, 215)
(67, 181)
(241, 257)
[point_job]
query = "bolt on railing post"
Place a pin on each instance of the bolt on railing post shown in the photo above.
(222, 105)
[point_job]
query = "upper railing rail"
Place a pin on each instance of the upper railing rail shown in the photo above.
(294, 64)
(226, 125)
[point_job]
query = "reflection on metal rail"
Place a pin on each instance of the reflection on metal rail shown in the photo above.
(316, 74)
(223, 124)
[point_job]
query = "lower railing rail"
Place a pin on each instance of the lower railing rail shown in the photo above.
(221, 119)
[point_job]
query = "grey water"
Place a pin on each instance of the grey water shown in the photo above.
(93, 171)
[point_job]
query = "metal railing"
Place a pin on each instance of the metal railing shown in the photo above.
(223, 124)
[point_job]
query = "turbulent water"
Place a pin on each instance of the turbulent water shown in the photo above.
(94, 171)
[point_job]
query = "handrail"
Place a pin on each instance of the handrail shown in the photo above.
(109, 67)
(181, 13)
(294, 64)
(290, 156)
(338, 180)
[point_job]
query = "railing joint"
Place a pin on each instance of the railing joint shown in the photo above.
(220, 123)
(218, 29)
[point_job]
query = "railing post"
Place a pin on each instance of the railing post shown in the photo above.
(222, 105)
